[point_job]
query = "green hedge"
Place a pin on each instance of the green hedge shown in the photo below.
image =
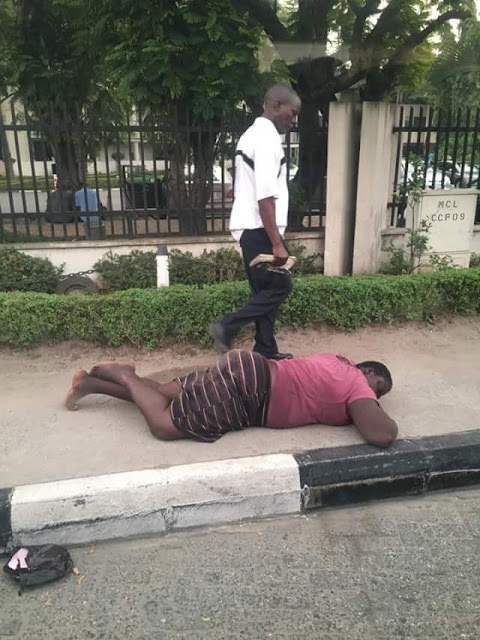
(152, 318)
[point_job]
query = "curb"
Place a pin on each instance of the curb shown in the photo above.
(121, 505)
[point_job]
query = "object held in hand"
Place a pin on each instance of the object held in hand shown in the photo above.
(266, 259)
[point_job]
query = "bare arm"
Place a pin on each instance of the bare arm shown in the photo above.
(267, 214)
(373, 422)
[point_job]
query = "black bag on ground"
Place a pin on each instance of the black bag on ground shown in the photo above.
(31, 566)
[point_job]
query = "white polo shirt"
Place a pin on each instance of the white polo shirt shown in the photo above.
(260, 172)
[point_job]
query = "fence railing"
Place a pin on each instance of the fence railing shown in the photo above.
(441, 147)
(146, 176)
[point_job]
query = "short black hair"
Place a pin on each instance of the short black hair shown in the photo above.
(379, 369)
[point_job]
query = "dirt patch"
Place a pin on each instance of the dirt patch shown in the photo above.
(179, 358)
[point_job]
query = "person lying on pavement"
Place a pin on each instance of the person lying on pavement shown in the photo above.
(244, 389)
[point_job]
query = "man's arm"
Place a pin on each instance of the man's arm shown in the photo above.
(267, 214)
(373, 422)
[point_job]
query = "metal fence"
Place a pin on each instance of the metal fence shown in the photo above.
(148, 176)
(440, 149)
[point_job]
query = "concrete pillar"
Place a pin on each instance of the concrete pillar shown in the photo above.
(343, 150)
(377, 145)
(163, 278)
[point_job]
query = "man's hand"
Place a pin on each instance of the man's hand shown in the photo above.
(267, 214)
(280, 255)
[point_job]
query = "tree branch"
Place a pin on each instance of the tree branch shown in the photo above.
(381, 28)
(417, 38)
(362, 13)
(262, 11)
(10, 95)
(348, 79)
(321, 9)
(354, 6)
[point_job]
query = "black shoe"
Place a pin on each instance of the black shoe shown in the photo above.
(219, 335)
(280, 356)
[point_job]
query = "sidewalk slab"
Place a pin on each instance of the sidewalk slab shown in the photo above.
(436, 391)
(157, 501)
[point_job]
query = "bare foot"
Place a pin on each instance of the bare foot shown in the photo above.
(77, 391)
(112, 370)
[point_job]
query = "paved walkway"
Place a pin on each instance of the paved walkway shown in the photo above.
(436, 390)
(406, 568)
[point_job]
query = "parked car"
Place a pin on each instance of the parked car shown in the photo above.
(219, 181)
(474, 171)
(433, 180)
(454, 172)
(139, 186)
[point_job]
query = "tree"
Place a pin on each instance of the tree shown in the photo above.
(188, 63)
(6, 80)
(454, 80)
(58, 77)
(378, 42)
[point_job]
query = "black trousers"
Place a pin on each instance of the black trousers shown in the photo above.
(268, 289)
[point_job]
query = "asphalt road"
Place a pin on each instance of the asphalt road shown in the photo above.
(407, 569)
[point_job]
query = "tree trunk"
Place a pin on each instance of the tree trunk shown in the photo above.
(380, 83)
(203, 146)
(313, 79)
(68, 146)
(189, 194)
(7, 158)
(175, 179)
(68, 164)
(190, 197)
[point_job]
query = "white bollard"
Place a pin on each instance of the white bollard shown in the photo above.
(163, 278)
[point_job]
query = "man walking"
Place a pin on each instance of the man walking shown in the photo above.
(259, 219)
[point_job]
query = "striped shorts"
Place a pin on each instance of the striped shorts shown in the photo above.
(229, 396)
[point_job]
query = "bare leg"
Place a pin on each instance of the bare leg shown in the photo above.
(148, 396)
(83, 384)
(102, 371)
(152, 403)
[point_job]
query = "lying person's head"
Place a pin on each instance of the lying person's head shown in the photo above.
(378, 376)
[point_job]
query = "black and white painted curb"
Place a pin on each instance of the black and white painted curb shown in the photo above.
(154, 501)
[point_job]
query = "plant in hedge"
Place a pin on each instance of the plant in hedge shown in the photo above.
(407, 262)
(307, 263)
(475, 260)
(9, 237)
(209, 268)
(21, 272)
(137, 269)
(226, 265)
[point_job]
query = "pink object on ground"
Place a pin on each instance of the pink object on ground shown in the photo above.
(19, 558)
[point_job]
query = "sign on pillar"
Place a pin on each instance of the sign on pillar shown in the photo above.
(451, 214)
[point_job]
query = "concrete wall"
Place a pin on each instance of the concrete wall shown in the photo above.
(343, 150)
(81, 256)
(377, 148)
(398, 238)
